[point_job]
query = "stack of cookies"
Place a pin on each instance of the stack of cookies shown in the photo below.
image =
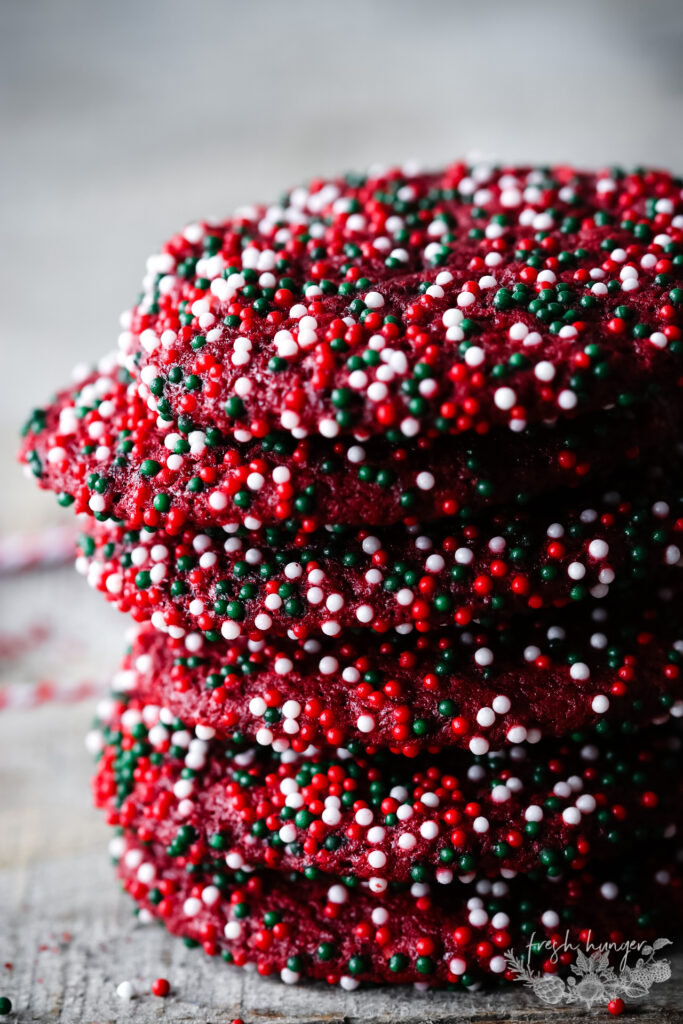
(388, 477)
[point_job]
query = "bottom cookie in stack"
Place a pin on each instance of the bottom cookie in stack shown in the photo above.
(337, 930)
(371, 868)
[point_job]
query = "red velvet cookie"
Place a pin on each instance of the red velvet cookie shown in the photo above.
(381, 818)
(340, 932)
(100, 448)
(477, 688)
(277, 583)
(402, 303)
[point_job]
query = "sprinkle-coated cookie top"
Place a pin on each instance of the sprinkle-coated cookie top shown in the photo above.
(401, 303)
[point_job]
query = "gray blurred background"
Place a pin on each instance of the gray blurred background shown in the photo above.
(122, 121)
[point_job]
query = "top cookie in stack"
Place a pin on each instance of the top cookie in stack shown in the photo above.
(379, 348)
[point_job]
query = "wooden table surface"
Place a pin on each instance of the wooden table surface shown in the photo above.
(68, 932)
